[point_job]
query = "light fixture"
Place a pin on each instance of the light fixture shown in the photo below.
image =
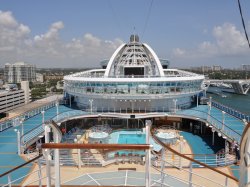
(219, 134)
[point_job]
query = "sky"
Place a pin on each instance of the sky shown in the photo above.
(81, 33)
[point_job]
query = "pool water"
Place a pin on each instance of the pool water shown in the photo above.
(132, 139)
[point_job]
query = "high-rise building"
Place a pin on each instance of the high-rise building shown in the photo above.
(19, 71)
(246, 67)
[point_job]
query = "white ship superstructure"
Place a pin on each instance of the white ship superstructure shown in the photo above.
(135, 80)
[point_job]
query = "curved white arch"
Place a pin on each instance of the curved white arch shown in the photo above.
(112, 59)
(156, 59)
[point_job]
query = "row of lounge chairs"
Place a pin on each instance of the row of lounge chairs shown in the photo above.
(72, 134)
(130, 158)
(88, 159)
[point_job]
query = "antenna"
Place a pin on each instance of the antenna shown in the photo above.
(134, 46)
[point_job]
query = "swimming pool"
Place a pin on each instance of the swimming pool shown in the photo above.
(132, 137)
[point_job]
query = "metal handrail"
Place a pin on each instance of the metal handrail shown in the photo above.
(190, 159)
(40, 125)
(2, 123)
(216, 120)
(17, 167)
(239, 112)
(24, 112)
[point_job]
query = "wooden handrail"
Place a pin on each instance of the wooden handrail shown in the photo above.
(17, 167)
(94, 146)
(190, 159)
(244, 133)
(75, 186)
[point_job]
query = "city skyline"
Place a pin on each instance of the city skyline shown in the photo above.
(82, 33)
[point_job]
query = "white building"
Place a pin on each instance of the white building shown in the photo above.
(246, 67)
(39, 77)
(216, 68)
(133, 80)
(12, 97)
(19, 71)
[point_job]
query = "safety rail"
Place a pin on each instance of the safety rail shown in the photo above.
(111, 147)
(167, 147)
(10, 122)
(228, 131)
(25, 138)
(223, 127)
(213, 160)
(97, 73)
(231, 111)
(163, 163)
(63, 146)
(8, 173)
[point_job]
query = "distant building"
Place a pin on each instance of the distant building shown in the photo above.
(206, 68)
(53, 77)
(39, 77)
(1, 83)
(216, 68)
(246, 67)
(19, 71)
(11, 97)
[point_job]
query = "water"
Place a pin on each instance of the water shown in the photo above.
(132, 139)
(236, 101)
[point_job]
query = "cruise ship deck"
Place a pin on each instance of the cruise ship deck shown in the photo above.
(135, 116)
(9, 148)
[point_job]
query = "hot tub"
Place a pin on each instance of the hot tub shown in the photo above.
(98, 137)
(167, 137)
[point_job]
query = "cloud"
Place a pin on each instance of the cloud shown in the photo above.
(7, 19)
(228, 42)
(49, 49)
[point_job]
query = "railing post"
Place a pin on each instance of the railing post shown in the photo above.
(78, 154)
(18, 141)
(163, 156)
(42, 112)
(223, 120)
(9, 180)
(190, 174)
(57, 162)
(79, 158)
(197, 100)
(57, 109)
(47, 156)
(39, 173)
(216, 159)
(148, 155)
(213, 131)
(226, 182)
(180, 158)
